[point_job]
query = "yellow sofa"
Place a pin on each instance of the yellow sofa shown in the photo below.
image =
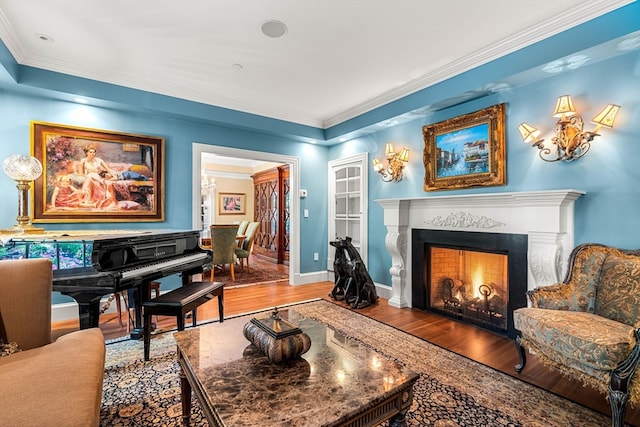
(46, 383)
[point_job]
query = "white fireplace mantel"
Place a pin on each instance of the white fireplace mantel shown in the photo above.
(546, 217)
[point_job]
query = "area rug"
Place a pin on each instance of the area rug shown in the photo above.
(452, 391)
(244, 277)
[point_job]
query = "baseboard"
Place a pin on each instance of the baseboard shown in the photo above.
(69, 310)
(313, 277)
(383, 291)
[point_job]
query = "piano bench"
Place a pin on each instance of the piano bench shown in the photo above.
(178, 302)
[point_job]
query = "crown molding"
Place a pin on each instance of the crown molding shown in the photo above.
(579, 15)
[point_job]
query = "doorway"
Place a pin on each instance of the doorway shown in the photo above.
(249, 155)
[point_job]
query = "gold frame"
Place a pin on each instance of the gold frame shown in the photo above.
(239, 201)
(134, 191)
(443, 170)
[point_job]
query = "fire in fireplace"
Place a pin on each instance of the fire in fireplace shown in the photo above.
(475, 277)
(471, 285)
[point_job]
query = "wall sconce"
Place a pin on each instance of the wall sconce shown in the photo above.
(395, 164)
(23, 170)
(570, 141)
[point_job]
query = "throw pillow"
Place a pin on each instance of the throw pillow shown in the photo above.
(8, 348)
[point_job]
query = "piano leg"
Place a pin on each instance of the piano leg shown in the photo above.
(140, 295)
(88, 309)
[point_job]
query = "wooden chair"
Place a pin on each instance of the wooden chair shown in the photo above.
(223, 242)
(244, 251)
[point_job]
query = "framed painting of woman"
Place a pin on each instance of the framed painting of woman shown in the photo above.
(94, 175)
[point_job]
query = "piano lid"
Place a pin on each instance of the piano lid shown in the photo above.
(70, 249)
(73, 235)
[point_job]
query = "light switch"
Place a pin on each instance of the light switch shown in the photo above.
(306, 213)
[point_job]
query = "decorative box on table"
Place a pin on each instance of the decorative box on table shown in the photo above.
(277, 338)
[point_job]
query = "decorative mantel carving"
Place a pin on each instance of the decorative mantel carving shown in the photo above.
(464, 220)
(546, 217)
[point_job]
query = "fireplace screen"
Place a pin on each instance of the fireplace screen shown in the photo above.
(469, 285)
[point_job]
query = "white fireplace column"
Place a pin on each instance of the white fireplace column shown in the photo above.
(546, 217)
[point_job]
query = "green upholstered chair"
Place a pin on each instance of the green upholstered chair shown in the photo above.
(242, 228)
(244, 251)
(588, 326)
(223, 243)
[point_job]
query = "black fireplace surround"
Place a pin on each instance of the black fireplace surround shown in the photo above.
(513, 245)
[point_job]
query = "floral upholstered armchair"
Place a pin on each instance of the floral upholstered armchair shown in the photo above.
(588, 327)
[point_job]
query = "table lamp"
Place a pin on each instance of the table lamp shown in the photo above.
(23, 170)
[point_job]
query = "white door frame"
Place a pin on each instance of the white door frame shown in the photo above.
(294, 182)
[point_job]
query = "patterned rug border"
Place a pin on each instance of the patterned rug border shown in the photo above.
(511, 375)
(547, 422)
(477, 385)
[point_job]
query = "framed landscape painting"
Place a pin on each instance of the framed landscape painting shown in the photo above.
(94, 175)
(466, 151)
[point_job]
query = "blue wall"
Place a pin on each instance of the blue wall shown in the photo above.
(609, 173)
(18, 108)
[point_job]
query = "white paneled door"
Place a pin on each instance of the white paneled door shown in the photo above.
(347, 201)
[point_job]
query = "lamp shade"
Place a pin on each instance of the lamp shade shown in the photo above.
(404, 155)
(22, 168)
(377, 166)
(388, 150)
(528, 132)
(564, 107)
(607, 116)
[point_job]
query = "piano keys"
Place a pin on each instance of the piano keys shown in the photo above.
(90, 264)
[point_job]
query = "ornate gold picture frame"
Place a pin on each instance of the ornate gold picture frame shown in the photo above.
(94, 175)
(466, 151)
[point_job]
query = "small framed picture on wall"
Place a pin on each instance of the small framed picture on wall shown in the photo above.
(231, 203)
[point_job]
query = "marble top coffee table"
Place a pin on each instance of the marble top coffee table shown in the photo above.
(337, 382)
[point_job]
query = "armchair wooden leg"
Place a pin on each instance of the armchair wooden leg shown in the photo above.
(620, 381)
(231, 269)
(521, 354)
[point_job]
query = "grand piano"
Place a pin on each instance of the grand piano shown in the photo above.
(88, 265)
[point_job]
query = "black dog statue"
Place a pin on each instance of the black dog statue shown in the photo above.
(352, 281)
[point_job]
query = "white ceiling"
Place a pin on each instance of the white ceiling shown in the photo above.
(338, 59)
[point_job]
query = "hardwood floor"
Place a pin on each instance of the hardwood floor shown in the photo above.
(482, 346)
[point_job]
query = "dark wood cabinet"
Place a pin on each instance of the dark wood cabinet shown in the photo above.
(272, 193)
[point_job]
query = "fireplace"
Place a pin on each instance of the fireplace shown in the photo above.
(477, 278)
(544, 219)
